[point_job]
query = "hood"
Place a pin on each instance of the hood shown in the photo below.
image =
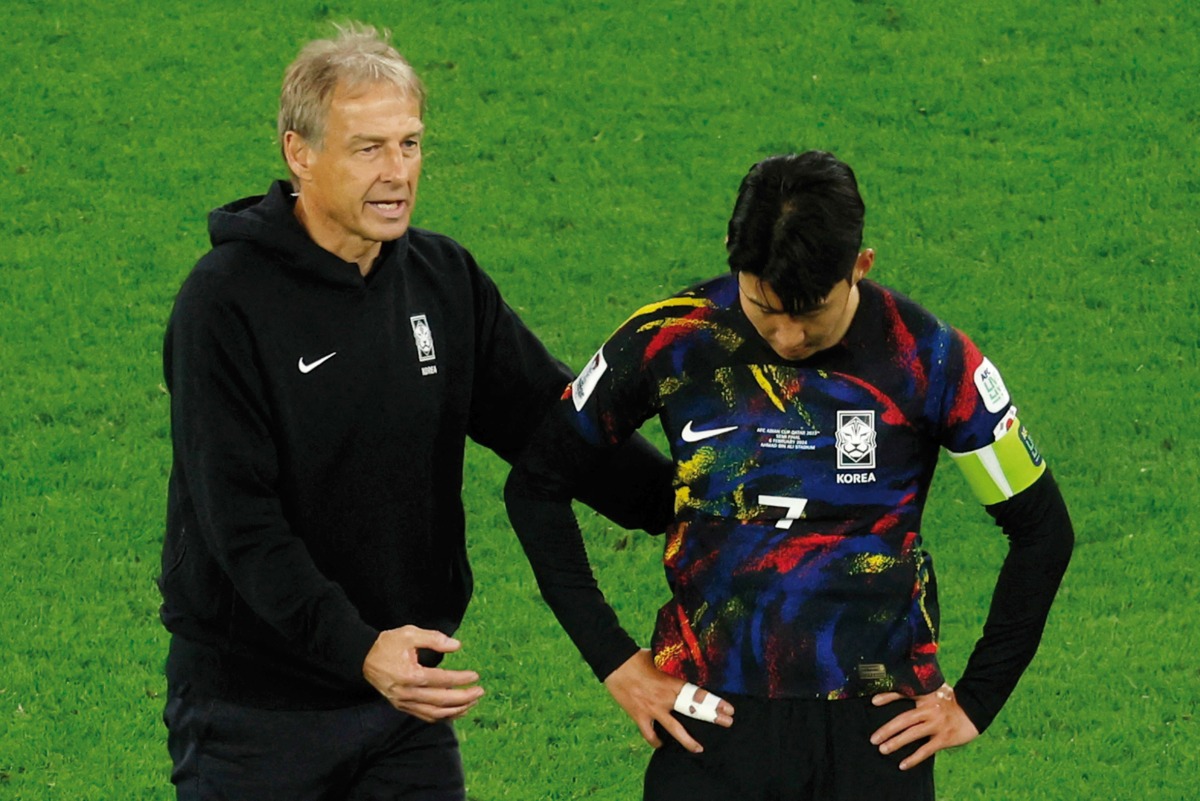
(269, 222)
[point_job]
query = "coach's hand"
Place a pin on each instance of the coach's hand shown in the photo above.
(427, 693)
(648, 695)
(936, 716)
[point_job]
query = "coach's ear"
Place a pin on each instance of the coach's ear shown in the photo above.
(862, 265)
(299, 154)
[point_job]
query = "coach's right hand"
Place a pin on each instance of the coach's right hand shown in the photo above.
(648, 695)
(428, 693)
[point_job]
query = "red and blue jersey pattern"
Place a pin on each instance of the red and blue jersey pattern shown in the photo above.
(795, 559)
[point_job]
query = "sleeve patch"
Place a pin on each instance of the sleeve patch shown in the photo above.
(1009, 420)
(583, 386)
(991, 386)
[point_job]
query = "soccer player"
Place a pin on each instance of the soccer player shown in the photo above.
(326, 363)
(805, 407)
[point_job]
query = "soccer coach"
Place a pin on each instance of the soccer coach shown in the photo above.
(326, 363)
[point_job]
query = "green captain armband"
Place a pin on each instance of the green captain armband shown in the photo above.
(1009, 465)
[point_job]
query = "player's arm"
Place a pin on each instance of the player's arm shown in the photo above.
(1010, 478)
(538, 496)
(517, 382)
(1041, 539)
(1008, 475)
(574, 448)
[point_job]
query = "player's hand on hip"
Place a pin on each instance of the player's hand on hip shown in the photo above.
(936, 716)
(427, 693)
(648, 695)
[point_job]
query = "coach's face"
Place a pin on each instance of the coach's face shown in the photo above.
(359, 183)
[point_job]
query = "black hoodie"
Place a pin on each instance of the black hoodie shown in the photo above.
(318, 420)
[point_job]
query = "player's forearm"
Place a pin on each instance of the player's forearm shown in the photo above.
(1041, 537)
(550, 536)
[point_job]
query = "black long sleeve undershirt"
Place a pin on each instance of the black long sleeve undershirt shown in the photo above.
(538, 495)
(1041, 538)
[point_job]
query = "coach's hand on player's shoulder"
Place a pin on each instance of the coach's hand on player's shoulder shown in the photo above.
(427, 693)
(648, 695)
(936, 716)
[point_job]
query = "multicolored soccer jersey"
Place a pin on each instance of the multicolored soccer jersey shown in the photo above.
(795, 559)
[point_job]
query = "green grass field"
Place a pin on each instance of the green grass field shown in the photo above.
(1031, 174)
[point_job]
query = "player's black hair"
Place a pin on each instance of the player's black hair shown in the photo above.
(797, 225)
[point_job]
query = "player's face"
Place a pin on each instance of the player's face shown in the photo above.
(358, 186)
(799, 336)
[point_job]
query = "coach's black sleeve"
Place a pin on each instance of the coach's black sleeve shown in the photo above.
(538, 496)
(225, 513)
(1041, 539)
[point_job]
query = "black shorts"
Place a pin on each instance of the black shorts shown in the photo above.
(789, 749)
(365, 753)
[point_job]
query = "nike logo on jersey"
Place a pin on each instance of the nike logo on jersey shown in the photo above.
(692, 435)
(308, 368)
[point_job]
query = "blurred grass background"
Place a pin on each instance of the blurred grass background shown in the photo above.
(1031, 175)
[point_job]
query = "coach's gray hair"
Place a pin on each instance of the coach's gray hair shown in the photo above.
(359, 54)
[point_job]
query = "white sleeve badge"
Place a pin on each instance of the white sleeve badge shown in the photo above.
(991, 386)
(583, 386)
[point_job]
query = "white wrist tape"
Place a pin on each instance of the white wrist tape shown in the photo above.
(705, 710)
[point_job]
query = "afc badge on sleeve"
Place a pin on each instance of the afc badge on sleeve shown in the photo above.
(583, 386)
(991, 386)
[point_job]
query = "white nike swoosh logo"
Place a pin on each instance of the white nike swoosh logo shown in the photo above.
(308, 368)
(691, 435)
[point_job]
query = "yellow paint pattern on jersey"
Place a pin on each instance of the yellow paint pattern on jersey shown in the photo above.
(747, 511)
(668, 655)
(674, 537)
(786, 379)
(651, 308)
(922, 570)
(669, 386)
(872, 563)
(700, 465)
(724, 379)
(729, 339)
(743, 510)
(735, 606)
(676, 322)
(734, 609)
(765, 383)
